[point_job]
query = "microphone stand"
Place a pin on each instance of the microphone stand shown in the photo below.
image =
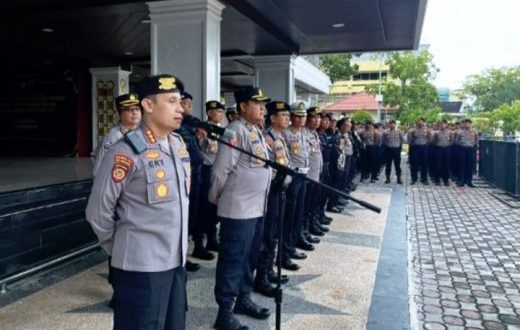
(278, 186)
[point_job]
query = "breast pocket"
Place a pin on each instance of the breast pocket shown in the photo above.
(258, 150)
(159, 186)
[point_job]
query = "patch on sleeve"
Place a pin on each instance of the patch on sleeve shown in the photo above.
(122, 164)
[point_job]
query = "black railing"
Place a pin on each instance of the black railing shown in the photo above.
(499, 164)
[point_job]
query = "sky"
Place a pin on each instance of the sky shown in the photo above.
(469, 36)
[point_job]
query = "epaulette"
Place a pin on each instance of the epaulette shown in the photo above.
(136, 141)
(179, 136)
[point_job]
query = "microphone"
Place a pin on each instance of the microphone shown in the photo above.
(209, 128)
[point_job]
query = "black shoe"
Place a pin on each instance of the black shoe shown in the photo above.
(312, 239)
(111, 303)
(425, 182)
(328, 218)
(322, 228)
(399, 181)
(272, 277)
(227, 321)
(460, 184)
(191, 266)
(413, 182)
(471, 185)
(437, 183)
(202, 254)
(447, 184)
(263, 286)
(246, 306)
(372, 181)
(213, 246)
(387, 180)
(304, 245)
(316, 232)
(289, 265)
(298, 255)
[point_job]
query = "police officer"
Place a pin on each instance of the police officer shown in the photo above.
(294, 207)
(239, 186)
(327, 145)
(197, 224)
(393, 141)
(312, 216)
(443, 139)
(344, 150)
(129, 118)
(231, 114)
(209, 149)
(466, 140)
(371, 141)
(418, 138)
(277, 121)
(138, 210)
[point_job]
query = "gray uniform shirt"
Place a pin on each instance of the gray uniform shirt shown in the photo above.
(393, 138)
(209, 150)
(465, 138)
(346, 149)
(299, 149)
(315, 156)
(278, 152)
(443, 138)
(418, 136)
(138, 207)
(115, 134)
(370, 138)
(240, 183)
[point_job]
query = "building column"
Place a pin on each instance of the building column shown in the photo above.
(185, 42)
(107, 84)
(275, 76)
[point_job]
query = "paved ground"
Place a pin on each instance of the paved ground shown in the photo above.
(333, 290)
(465, 253)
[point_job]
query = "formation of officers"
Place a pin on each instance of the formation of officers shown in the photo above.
(159, 180)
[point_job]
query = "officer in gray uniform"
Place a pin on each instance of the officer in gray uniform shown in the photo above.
(466, 140)
(418, 139)
(138, 208)
(442, 140)
(209, 149)
(277, 120)
(239, 187)
(312, 200)
(129, 118)
(299, 151)
(370, 138)
(393, 141)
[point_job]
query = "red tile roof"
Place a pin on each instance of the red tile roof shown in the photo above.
(355, 102)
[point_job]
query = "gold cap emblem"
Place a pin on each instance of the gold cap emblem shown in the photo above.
(167, 83)
(280, 106)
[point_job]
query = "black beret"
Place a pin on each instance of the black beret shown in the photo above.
(277, 106)
(185, 96)
(163, 83)
(127, 100)
(214, 105)
(250, 93)
(231, 110)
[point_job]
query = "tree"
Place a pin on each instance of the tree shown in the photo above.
(492, 88)
(338, 66)
(408, 87)
(362, 116)
(507, 118)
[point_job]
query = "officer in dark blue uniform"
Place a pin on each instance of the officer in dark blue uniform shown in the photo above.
(327, 145)
(197, 226)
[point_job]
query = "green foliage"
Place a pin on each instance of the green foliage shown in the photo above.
(483, 124)
(506, 117)
(409, 116)
(338, 66)
(446, 116)
(492, 88)
(432, 115)
(362, 116)
(412, 93)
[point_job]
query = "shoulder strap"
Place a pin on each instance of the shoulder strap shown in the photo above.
(135, 141)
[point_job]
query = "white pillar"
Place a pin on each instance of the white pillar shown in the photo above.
(275, 76)
(186, 43)
(107, 84)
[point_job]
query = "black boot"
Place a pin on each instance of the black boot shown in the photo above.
(227, 321)
(246, 306)
(272, 277)
(212, 244)
(399, 180)
(263, 286)
(200, 251)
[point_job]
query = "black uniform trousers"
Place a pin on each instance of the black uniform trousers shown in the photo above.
(340, 181)
(149, 300)
(432, 166)
(443, 162)
(373, 160)
(393, 155)
(240, 242)
(323, 195)
(419, 162)
(208, 214)
(466, 164)
(354, 160)
(293, 225)
(454, 167)
(195, 224)
(270, 235)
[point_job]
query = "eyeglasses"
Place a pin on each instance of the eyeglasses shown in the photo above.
(130, 109)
